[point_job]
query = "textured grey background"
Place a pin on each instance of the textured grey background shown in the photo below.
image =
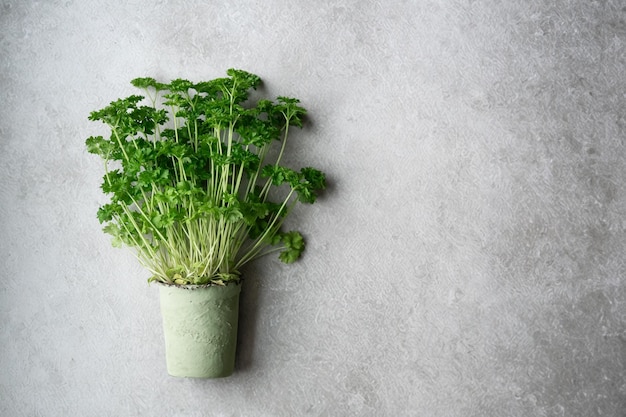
(467, 259)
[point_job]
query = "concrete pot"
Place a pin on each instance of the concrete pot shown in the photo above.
(200, 329)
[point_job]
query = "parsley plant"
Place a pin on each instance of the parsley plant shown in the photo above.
(194, 183)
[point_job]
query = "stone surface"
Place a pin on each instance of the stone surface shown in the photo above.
(466, 260)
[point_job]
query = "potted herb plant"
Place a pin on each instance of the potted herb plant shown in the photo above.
(196, 187)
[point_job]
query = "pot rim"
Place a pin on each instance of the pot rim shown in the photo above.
(193, 287)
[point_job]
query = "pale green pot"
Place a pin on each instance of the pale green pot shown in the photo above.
(200, 329)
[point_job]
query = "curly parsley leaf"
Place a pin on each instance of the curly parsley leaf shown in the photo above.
(294, 246)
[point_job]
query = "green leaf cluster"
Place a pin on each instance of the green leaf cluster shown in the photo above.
(193, 181)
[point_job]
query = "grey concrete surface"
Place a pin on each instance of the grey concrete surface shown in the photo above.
(466, 260)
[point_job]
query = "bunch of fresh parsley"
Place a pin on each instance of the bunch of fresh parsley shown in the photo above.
(193, 180)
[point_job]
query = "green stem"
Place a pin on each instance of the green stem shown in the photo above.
(269, 232)
(282, 148)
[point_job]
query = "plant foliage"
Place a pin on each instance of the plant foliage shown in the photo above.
(194, 177)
